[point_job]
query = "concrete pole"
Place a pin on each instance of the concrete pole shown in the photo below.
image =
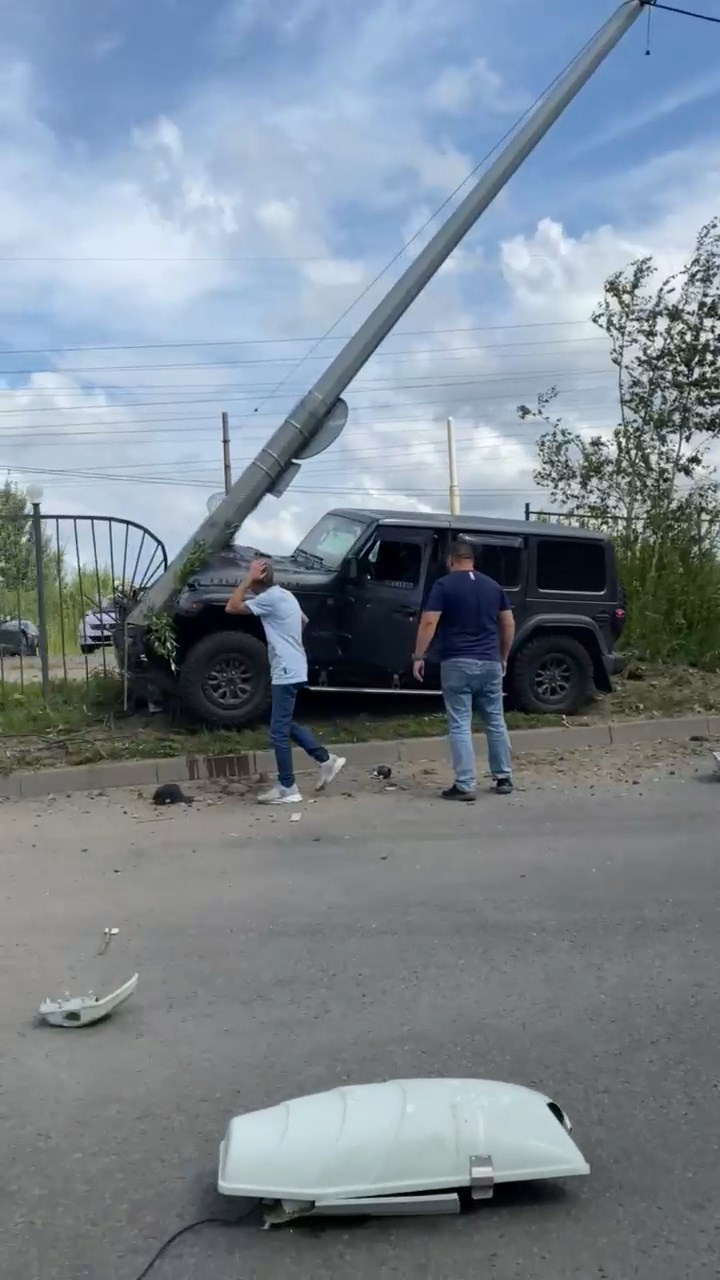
(452, 470)
(227, 465)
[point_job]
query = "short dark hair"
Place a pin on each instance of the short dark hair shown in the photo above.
(268, 579)
(462, 550)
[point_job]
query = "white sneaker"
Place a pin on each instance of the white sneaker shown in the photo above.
(280, 795)
(329, 770)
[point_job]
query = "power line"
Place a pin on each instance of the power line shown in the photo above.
(177, 258)
(685, 13)
(446, 353)
(39, 431)
(387, 384)
(259, 342)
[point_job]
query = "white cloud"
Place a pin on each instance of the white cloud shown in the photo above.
(459, 89)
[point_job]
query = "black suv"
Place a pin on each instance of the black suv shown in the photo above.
(362, 577)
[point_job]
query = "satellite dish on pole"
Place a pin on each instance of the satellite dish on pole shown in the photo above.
(214, 501)
(332, 427)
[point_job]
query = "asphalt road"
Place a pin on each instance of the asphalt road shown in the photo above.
(566, 938)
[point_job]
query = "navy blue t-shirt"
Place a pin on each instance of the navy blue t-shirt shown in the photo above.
(469, 603)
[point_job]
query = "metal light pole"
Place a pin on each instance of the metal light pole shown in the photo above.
(227, 465)
(276, 464)
(35, 497)
(452, 470)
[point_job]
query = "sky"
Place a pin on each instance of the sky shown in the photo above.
(194, 194)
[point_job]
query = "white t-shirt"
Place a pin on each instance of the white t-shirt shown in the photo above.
(281, 617)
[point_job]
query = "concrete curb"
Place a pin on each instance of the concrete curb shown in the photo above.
(150, 773)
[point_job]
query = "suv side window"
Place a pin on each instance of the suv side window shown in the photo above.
(391, 563)
(501, 561)
(571, 565)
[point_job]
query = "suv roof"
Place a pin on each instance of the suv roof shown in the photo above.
(468, 524)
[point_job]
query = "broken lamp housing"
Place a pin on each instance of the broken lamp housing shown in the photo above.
(403, 1146)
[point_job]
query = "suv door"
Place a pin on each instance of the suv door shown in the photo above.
(504, 559)
(382, 607)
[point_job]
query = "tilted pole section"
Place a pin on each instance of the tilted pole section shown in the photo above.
(303, 424)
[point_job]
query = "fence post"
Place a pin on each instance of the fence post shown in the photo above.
(527, 510)
(40, 589)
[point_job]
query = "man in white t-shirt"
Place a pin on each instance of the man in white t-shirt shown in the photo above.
(283, 622)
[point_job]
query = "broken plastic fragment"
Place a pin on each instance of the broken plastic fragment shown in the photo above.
(80, 1011)
(402, 1147)
(382, 771)
(108, 934)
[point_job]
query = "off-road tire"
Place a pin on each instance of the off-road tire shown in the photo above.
(213, 666)
(552, 673)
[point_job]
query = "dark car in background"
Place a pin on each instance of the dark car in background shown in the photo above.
(19, 638)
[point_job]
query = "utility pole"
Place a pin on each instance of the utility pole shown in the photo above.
(277, 462)
(35, 496)
(227, 465)
(452, 470)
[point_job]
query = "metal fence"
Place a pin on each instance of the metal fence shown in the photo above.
(581, 519)
(63, 581)
(699, 532)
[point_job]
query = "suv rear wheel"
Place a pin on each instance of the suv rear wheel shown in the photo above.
(225, 680)
(552, 673)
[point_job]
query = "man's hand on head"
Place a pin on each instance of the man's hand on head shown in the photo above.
(258, 570)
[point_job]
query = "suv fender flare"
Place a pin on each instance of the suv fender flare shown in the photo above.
(580, 628)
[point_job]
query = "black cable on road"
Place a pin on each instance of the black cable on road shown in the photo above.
(182, 1231)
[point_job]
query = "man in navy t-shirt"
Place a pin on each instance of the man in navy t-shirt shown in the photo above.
(475, 627)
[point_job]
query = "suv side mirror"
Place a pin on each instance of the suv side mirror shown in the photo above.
(351, 569)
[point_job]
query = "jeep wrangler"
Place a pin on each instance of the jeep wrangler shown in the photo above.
(361, 578)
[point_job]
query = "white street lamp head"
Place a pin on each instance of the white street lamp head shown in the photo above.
(34, 493)
(398, 1147)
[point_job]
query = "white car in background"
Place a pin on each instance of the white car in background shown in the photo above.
(96, 628)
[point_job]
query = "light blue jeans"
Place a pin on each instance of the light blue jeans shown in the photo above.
(469, 685)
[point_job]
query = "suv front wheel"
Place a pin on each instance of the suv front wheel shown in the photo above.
(225, 680)
(552, 673)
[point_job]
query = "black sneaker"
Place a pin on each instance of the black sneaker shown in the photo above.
(454, 793)
(504, 786)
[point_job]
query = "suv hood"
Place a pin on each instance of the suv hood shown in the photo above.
(222, 572)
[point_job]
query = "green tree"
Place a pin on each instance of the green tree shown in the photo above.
(17, 553)
(649, 476)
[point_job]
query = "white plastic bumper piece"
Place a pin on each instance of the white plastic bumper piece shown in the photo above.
(80, 1011)
(404, 1146)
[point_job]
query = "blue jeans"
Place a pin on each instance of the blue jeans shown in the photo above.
(469, 685)
(283, 731)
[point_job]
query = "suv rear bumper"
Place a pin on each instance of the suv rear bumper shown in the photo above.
(614, 663)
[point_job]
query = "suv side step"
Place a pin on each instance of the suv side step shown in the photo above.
(384, 689)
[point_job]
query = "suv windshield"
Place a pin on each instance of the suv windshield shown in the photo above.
(331, 540)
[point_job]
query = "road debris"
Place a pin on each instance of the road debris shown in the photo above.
(171, 793)
(296, 817)
(381, 771)
(81, 1011)
(108, 934)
